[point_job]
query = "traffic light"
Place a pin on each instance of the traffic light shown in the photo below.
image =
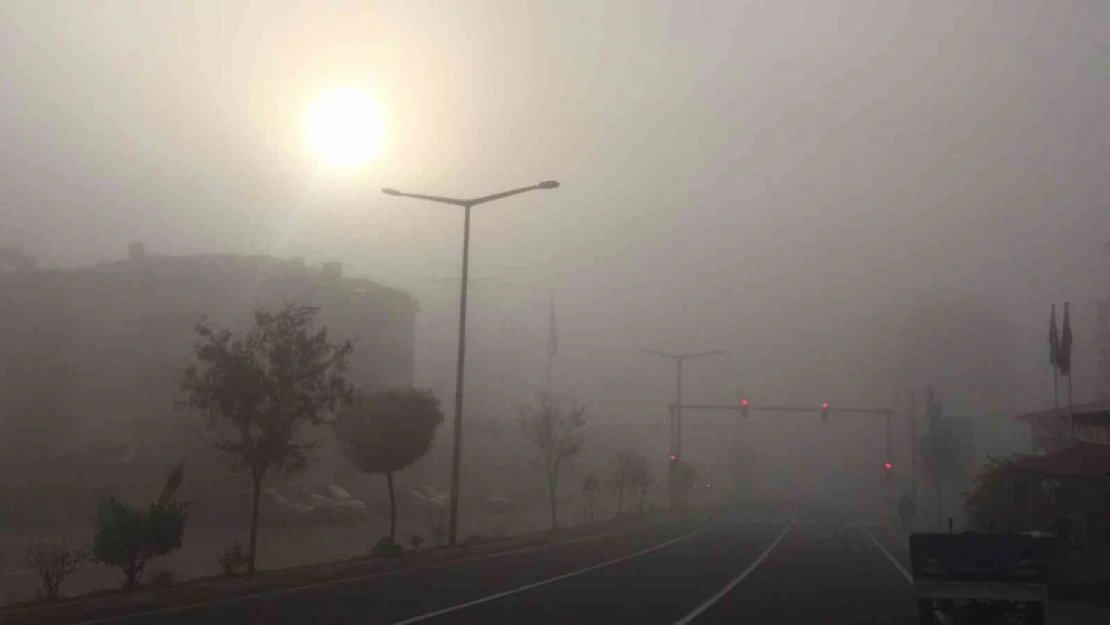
(888, 466)
(824, 411)
(744, 408)
(672, 458)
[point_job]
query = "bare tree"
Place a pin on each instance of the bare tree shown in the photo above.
(261, 391)
(591, 488)
(555, 429)
(685, 477)
(54, 562)
(632, 472)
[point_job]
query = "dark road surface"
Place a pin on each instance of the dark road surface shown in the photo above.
(697, 574)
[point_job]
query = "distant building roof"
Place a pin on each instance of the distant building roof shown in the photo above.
(1052, 428)
(1095, 411)
(228, 265)
(1079, 460)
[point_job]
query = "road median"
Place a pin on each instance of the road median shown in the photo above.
(218, 589)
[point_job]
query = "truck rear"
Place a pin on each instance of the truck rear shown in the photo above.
(982, 572)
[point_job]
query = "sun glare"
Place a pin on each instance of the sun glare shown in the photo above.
(345, 127)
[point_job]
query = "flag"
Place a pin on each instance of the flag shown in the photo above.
(1064, 357)
(552, 337)
(1053, 340)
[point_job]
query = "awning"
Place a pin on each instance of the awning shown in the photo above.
(1079, 460)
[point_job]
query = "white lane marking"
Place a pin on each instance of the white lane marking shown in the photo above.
(739, 578)
(336, 582)
(549, 580)
(901, 569)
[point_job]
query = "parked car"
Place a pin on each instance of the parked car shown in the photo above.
(415, 500)
(327, 505)
(283, 510)
(342, 497)
(495, 504)
(433, 495)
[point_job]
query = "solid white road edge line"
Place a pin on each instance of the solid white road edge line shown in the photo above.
(417, 619)
(343, 580)
(739, 578)
(901, 569)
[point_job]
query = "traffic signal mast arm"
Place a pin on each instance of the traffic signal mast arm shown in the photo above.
(810, 409)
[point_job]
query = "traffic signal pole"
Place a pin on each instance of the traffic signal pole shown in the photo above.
(676, 408)
(824, 409)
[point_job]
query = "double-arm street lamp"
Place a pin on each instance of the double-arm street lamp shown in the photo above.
(453, 523)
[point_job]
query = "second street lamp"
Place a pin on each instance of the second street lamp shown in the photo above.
(456, 450)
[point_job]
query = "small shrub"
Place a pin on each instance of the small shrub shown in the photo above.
(53, 562)
(416, 540)
(233, 559)
(162, 578)
(129, 538)
(386, 548)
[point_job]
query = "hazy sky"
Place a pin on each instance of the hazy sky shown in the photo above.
(751, 176)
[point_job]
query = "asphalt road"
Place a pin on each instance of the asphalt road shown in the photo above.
(737, 570)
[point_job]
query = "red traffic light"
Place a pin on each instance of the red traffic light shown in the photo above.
(744, 408)
(672, 457)
(824, 405)
(824, 411)
(744, 403)
(888, 466)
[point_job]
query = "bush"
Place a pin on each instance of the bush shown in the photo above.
(386, 548)
(129, 538)
(416, 540)
(162, 578)
(233, 559)
(54, 562)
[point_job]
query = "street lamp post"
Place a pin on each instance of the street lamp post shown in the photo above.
(676, 426)
(456, 452)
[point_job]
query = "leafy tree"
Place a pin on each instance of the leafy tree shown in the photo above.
(632, 472)
(54, 562)
(591, 487)
(555, 429)
(259, 393)
(386, 431)
(129, 538)
(990, 502)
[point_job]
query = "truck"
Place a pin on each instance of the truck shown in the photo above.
(982, 574)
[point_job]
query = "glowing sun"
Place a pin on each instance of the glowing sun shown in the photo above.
(345, 127)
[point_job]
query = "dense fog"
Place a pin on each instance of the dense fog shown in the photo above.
(851, 199)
